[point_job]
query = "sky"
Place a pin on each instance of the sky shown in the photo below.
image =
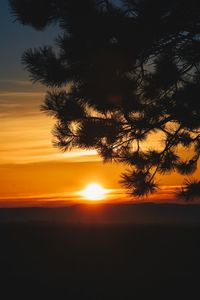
(32, 171)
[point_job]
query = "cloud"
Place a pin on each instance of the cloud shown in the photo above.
(116, 195)
(13, 85)
(26, 136)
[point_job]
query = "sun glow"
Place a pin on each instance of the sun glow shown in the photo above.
(93, 192)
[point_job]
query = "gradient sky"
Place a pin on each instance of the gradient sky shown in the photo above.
(32, 172)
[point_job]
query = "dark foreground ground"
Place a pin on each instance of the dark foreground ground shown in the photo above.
(43, 260)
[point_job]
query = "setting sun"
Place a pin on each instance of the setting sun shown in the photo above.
(93, 192)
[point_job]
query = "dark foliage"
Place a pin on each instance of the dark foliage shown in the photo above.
(190, 191)
(124, 74)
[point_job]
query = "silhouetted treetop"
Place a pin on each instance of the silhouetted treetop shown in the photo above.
(124, 75)
(190, 191)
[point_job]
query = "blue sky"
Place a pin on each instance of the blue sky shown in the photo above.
(15, 38)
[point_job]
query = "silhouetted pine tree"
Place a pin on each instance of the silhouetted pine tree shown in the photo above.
(125, 74)
(190, 190)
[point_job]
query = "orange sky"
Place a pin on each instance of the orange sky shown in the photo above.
(29, 165)
(32, 172)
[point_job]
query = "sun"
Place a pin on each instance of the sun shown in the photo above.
(93, 192)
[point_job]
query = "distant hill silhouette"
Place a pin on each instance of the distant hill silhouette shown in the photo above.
(146, 213)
